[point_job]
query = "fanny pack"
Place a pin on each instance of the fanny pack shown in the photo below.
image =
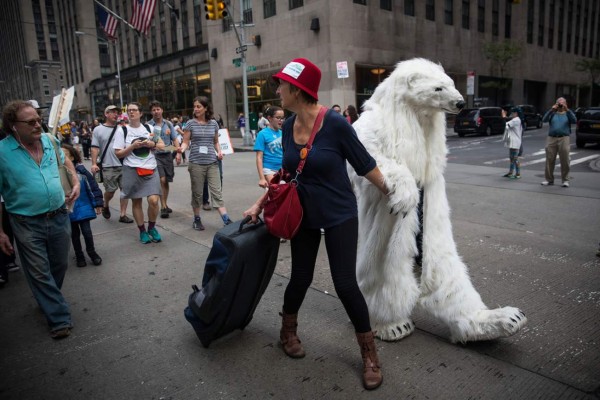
(144, 171)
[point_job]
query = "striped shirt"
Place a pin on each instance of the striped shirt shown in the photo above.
(202, 141)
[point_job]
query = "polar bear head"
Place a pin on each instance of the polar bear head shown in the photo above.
(421, 85)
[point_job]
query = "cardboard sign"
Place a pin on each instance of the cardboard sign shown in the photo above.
(225, 142)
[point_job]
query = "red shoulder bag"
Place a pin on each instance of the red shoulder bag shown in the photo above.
(282, 208)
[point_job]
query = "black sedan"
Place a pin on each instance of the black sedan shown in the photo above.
(588, 127)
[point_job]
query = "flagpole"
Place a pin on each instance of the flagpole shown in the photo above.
(108, 10)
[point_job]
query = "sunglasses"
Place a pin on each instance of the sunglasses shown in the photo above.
(32, 122)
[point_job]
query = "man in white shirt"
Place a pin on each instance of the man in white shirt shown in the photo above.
(110, 164)
(140, 174)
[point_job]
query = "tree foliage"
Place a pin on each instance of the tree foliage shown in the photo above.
(501, 53)
(592, 67)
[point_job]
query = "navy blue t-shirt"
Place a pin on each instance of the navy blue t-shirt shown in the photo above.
(324, 186)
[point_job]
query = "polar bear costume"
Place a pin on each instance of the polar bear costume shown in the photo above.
(403, 126)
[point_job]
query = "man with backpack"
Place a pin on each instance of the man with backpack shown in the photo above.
(103, 137)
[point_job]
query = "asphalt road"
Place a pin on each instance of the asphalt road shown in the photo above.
(528, 246)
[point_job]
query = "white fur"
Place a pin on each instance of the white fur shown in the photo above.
(403, 126)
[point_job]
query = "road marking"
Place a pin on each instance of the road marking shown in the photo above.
(584, 159)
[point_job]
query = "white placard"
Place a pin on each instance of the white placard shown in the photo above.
(342, 69)
(225, 142)
(470, 83)
(61, 105)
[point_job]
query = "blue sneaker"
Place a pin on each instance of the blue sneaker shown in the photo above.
(154, 235)
(145, 238)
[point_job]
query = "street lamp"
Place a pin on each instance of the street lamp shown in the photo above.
(80, 33)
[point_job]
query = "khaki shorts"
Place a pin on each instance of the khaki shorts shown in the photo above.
(111, 178)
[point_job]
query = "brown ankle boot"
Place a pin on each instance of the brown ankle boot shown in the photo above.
(289, 339)
(372, 376)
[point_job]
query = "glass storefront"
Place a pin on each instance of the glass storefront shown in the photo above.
(368, 77)
(174, 89)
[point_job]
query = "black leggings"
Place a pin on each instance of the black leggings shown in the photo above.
(340, 242)
(82, 228)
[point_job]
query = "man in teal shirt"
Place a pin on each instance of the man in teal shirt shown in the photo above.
(37, 208)
(559, 119)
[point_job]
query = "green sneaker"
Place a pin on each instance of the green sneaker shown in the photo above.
(145, 238)
(154, 235)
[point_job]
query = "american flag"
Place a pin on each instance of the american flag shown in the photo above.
(108, 22)
(143, 11)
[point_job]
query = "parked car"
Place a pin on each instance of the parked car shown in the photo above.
(483, 121)
(588, 127)
(532, 117)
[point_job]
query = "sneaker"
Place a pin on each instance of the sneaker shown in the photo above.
(565, 184)
(60, 333)
(145, 238)
(81, 261)
(507, 175)
(164, 213)
(12, 267)
(96, 259)
(515, 177)
(125, 219)
(106, 212)
(546, 183)
(206, 207)
(154, 235)
(168, 210)
(197, 225)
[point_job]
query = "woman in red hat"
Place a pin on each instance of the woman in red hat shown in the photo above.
(328, 203)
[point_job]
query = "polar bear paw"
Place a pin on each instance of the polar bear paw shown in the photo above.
(395, 331)
(403, 198)
(489, 325)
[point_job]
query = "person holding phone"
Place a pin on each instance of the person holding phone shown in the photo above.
(559, 119)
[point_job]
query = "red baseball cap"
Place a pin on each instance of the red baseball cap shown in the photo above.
(301, 73)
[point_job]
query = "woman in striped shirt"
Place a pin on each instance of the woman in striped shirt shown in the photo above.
(201, 136)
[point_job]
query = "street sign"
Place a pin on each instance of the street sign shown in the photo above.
(470, 83)
(251, 68)
(237, 62)
(241, 49)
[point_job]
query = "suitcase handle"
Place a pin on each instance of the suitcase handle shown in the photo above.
(245, 221)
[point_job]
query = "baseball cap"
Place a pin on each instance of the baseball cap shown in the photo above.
(34, 103)
(303, 74)
(109, 108)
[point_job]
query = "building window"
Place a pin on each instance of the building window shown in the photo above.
(551, 24)
(508, 21)
(530, 11)
(385, 5)
(247, 7)
(578, 28)
(569, 26)
(449, 12)
(363, 2)
(542, 12)
(481, 15)
(185, 29)
(466, 14)
(561, 25)
(592, 25)
(296, 4)
(198, 24)
(430, 10)
(409, 7)
(269, 8)
(44, 76)
(495, 17)
(47, 92)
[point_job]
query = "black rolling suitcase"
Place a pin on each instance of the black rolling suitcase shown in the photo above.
(236, 274)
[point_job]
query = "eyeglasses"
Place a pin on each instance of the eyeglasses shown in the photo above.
(132, 110)
(32, 122)
(279, 118)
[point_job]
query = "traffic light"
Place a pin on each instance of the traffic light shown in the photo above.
(221, 9)
(210, 6)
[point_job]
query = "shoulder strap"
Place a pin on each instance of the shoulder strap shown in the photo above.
(147, 128)
(58, 160)
(107, 143)
(304, 152)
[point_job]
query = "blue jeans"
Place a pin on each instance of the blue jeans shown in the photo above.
(43, 243)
